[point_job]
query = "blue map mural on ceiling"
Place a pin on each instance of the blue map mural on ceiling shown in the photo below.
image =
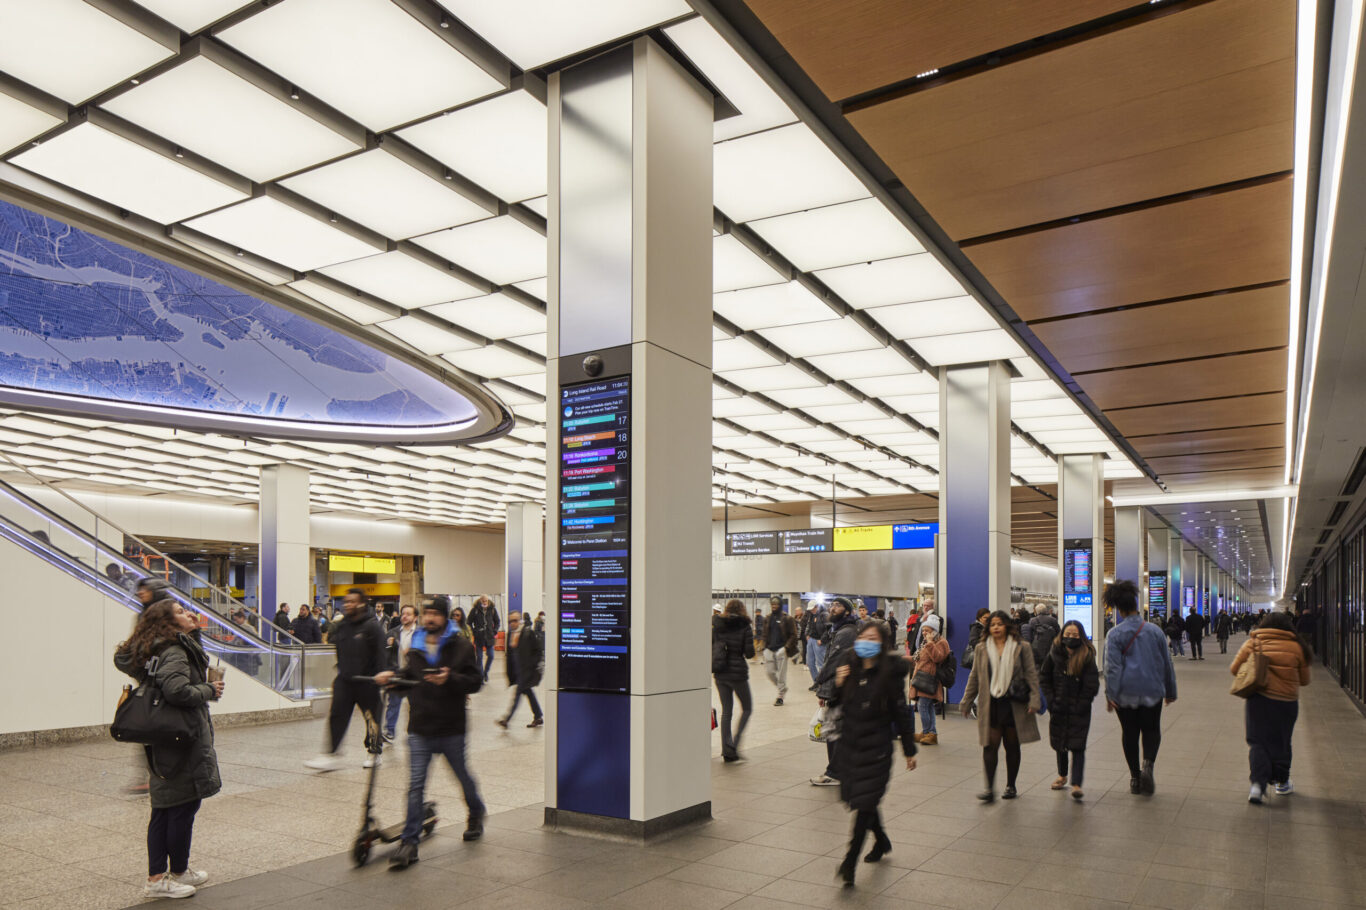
(84, 316)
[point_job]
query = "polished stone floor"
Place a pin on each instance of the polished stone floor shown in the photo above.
(276, 837)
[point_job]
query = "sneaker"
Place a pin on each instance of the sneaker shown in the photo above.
(502, 722)
(736, 759)
(536, 722)
(167, 887)
(371, 761)
(192, 877)
(1255, 795)
(325, 763)
(1286, 788)
(778, 702)
(474, 828)
(824, 780)
(388, 736)
(404, 856)
(1009, 793)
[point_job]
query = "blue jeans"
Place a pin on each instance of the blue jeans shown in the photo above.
(815, 657)
(421, 750)
(926, 708)
(483, 656)
(392, 706)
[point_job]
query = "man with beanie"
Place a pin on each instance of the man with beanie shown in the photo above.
(780, 643)
(841, 634)
(443, 664)
(360, 652)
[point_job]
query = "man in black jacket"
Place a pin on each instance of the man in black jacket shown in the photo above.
(1195, 631)
(842, 632)
(525, 652)
(484, 624)
(360, 652)
(306, 628)
(444, 666)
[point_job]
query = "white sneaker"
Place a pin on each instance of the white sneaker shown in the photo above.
(1255, 795)
(167, 887)
(370, 761)
(192, 877)
(325, 763)
(823, 781)
(1286, 788)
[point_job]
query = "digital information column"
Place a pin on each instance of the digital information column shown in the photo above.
(595, 536)
(1077, 592)
(1157, 595)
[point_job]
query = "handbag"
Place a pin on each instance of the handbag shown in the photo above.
(143, 715)
(1251, 676)
(825, 725)
(926, 682)
(1018, 691)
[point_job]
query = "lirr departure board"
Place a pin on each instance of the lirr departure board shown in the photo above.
(595, 536)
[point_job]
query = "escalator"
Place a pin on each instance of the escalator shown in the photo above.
(47, 523)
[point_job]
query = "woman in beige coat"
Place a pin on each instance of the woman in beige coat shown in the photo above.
(1005, 684)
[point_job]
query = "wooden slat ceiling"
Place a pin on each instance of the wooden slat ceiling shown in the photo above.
(1124, 187)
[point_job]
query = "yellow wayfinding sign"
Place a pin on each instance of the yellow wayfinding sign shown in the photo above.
(867, 537)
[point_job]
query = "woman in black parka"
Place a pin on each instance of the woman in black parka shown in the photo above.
(1070, 680)
(732, 644)
(870, 692)
(181, 777)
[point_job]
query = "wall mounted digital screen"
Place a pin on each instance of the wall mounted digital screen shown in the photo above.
(1077, 575)
(91, 326)
(1157, 594)
(752, 543)
(595, 536)
(805, 540)
(377, 565)
(1190, 597)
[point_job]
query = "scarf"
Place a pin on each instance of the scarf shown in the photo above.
(419, 642)
(1002, 665)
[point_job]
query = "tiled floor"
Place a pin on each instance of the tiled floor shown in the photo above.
(774, 842)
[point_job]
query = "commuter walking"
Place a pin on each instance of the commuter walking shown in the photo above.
(799, 620)
(760, 631)
(1270, 713)
(524, 651)
(870, 690)
(1005, 684)
(165, 645)
(926, 688)
(843, 630)
(462, 627)
(731, 646)
(306, 628)
(1043, 631)
(780, 643)
(1139, 678)
(1223, 625)
(1195, 631)
(444, 665)
(399, 640)
(1070, 680)
(817, 628)
(360, 652)
(484, 624)
(1175, 629)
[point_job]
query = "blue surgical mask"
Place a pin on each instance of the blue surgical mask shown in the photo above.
(865, 648)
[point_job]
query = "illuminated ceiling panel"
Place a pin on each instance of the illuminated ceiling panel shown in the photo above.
(509, 158)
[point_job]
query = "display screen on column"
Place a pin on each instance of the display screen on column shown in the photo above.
(1077, 594)
(595, 536)
(1157, 594)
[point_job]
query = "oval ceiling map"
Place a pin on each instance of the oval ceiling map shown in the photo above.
(90, 326)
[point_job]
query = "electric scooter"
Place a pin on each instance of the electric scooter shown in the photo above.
(370, 831)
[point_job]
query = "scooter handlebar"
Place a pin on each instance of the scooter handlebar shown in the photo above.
(397, 682)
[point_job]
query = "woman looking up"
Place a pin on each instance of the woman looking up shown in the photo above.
(870, 692)
(1006, 686)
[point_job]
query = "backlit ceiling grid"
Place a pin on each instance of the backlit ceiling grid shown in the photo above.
(826, 305)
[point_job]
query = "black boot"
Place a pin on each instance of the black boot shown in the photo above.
(474, 828)
(1145, 779)
(404, 856)
(881, 847)
(846, 870)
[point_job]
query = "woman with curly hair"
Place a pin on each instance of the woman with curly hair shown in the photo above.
(165, 643)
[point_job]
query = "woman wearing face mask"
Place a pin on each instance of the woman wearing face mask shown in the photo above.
(1006, 686)
(870, 690)
(1070, 680)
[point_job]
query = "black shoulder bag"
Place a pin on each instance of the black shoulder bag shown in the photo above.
(144, 716)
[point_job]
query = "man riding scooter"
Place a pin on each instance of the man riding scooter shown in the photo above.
(443, 663)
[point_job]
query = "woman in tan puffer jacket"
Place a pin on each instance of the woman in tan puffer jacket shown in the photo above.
(1270, 713)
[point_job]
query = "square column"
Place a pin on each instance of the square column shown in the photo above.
(1190, 577)
(523, 550)
(1158, 567)
(283, 521)
(1129, 541)
(974, 498)
(1081, 540)
(629, 453)
(1176, 572)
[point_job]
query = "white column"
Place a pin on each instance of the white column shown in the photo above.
(1157, 561)
(1081, 520)
(283, 516)
(523, 540)
(1129, 540)
(1176, 569)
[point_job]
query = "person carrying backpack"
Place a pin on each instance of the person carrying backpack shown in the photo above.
(1175, 628)
(927, 686)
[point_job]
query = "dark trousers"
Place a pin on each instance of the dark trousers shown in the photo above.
(1078, 764)
(1143, 722)
(1223, 645)
(530, 694)
(483, 654)
(865, 820)
(1197, 647)
(421, 751)
(831, 769)
(346, 697)
(1270, 726)
(729, 692)
(168, 837)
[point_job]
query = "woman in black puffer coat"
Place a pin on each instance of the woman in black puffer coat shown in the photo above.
(732, 644)
(870, 693)
(1070, 680)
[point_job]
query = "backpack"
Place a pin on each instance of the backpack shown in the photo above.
(947, 671)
